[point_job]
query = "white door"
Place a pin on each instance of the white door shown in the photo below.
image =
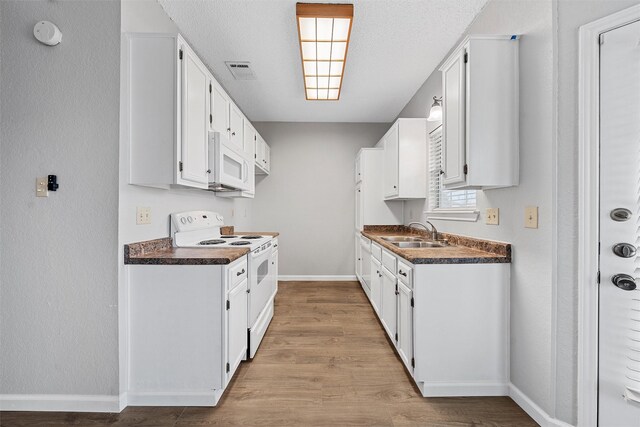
(619, 321)
(236, 128)
(236, 328)
(391, 141)
(267, 157)
(358, 258)
(405, 324)
(220, 109)
(376, 280)
(249, 139)
(453, 121)
(365, 252)
(194, 120)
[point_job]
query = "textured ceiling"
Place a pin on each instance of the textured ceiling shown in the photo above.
(395, 45)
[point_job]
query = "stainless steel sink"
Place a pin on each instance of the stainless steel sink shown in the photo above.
(393, 239)
(421, 244)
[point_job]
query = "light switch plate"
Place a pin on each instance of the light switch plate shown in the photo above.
(531, 217)
(41, 187)
(143, 215)
(493, 216)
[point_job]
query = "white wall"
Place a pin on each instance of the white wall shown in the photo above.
(309, 196)
(59, 115)
(531, 272)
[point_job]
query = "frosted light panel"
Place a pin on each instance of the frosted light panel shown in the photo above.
(323, 31)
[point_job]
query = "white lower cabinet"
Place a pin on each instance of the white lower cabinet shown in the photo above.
(376, 284)
(388, 311)
(448, 322)
(236, 336)
(187, 332)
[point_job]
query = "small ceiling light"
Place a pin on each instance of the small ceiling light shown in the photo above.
(323, 31)
(435, 114)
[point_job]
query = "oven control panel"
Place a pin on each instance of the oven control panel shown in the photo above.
(195, 220)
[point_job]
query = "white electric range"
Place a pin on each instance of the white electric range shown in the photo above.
(202, 229)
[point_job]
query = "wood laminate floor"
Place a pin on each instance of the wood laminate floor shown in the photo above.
(324, 361)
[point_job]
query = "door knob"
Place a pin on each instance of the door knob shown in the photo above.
(624, 282)
(625, 250)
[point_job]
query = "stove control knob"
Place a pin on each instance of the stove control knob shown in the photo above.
(183, 220)
(190, 219)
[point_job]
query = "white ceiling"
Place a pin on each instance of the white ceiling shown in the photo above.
(395, 45)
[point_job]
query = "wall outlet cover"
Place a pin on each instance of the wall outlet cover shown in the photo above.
(493, 216)
(531, 217)
(143, 215)
(41, 187)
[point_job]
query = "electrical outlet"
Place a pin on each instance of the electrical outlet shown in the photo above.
(493, 216)
(531, 217)
(41, 187)
(143, 215)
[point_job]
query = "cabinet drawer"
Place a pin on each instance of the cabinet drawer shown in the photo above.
(376, 252)
(405, 274)
(389, 261)
(237, 273)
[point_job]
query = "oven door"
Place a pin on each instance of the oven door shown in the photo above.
(260, 288)
(229, 168)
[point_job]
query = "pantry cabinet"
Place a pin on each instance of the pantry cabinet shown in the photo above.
(480, 132)
(405, 160)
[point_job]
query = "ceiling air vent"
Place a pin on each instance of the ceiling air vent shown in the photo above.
(241, 70)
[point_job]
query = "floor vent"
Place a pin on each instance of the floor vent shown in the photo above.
(241, 70)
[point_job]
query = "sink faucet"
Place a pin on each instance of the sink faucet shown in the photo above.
(434, 231)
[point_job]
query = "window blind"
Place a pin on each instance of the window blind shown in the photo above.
(439, 198)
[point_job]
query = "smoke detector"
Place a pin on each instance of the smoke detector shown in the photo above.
(241, 70)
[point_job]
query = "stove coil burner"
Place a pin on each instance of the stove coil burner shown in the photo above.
(240, 243)
(228, 237)
(251, 237)
(211, 242)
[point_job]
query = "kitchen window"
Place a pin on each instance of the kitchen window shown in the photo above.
(459, 205)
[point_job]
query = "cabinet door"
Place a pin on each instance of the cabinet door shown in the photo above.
(405, 325)
(259, 154)
(391, 146)
(359, 208)
(220, 108)
(376, 279)
(389, 303)
(358, 258)
(365, 253)
(267, 156)
(236, 127)
(453, 121)
(274, 269)
(249, 138)
(236, 328)
(358, 169)
(194, 120)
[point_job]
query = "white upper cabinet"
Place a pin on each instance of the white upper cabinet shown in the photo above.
(405, 160)
(262, 156)
(166, 113)
(480, 113)
(194, 119)
(220, 106)
(236, 125)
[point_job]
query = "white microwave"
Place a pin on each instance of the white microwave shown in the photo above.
(229, 170)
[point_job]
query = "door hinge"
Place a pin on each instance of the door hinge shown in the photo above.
(396, 336)
(465, 169)
(180, 54)
(413, 362)
(180, 166)
(228, 304)
(466, 57)
(412, 302)
(210, 118)
(598, 277)
(228, 367)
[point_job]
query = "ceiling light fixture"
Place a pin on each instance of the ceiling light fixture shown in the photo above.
(323, 32)
(435, 114)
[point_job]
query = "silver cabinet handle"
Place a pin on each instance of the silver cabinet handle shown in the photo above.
(624, 282)
(402, 273)
(625, 250)
(240, 273)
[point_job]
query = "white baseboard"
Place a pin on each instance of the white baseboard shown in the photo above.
(205, 398)
(537, 413)
(60, 403)
(319, 278)
(463, 389)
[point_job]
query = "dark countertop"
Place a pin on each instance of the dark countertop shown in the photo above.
(464, 250)
(162, 252)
